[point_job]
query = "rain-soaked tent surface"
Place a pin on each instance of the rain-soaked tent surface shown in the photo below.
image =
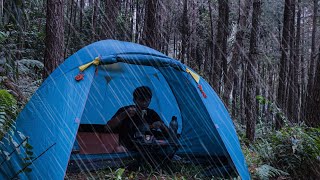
(61, 105)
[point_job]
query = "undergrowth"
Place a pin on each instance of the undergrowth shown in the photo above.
(290, 153)
(172, 171)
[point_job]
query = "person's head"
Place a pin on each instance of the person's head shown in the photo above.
(142, 97)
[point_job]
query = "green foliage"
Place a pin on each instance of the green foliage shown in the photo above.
(3, 36)
(272, 107)
(296, 149)
(8, 111)
(266, 172)
(293, 151)
(173, 171)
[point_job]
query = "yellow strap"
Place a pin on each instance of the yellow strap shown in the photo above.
(96, 62)
(195, 76)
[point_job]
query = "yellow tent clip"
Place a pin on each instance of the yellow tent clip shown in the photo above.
(195, 76)
(96, 62)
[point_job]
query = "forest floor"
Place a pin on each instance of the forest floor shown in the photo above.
(170, 171)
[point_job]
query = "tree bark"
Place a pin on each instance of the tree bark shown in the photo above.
(303, 69)
(313, 115)
(81, 15)
(283, 74)
(1, 12)
(70, 24)
(252, 73)
(220, 49)
(292, 96)
(211, 43)
(54, 36)
(94, 19)
(151, 31)
(109, 25)
(238, 49)
(184, 30)
(297, 75)
(311, 72)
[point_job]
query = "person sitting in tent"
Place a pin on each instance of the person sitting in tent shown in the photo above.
(128, 120)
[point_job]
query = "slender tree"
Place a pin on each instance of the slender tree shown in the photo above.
(252, 73)
(81, 9)
(54, 36)
(184, 30)
(238, 48)
(94, 19)
(311, 71)
(283, 75)
(297, 67)
(211, 42)
(220, 50)
(109, 25)
(303, 67)
(1, 12)
(313, 115)
(292, 90)
(150, 30)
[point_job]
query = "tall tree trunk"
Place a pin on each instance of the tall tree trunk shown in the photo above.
(54, 36)
(184, 30)
(238, 49)
(234, 98)
(94, 19)
(224, 57)
(313, 44)
(297, 67)
(291, 108)
(109, 25)
(1, 12)
(151, 31)
(283, 74)
(211, 43)
(252, 73)
(313, 115)
(69, 26)
(81, 15)
(243, 89)
(220, 49)
(133, 21)
(303, 69)
(311, 72)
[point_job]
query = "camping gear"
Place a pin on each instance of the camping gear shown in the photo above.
(87, 89)
(174, 125)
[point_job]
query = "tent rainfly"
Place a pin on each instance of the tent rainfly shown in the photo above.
(64, 119)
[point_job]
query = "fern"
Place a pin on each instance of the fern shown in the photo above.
(8, 111)
(3, 36)
(266, 172)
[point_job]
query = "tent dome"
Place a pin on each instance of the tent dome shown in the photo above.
(52, 117)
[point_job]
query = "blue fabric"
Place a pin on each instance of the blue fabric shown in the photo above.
(225, 128)
(52, 116)
(113, 88)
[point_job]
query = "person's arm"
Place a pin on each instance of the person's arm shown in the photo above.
(159, 124)
(122, 114)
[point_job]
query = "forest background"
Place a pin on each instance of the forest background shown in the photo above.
(260, 56)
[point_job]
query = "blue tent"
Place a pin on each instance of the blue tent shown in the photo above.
(111, 70)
